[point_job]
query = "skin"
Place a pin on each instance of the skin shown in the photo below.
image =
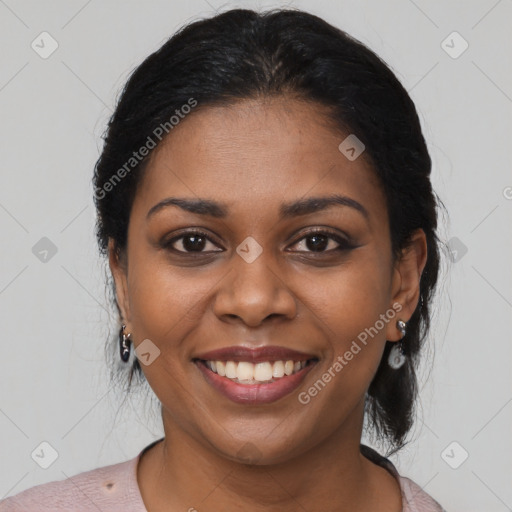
(253, 156)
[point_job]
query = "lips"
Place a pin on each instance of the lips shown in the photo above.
(280, 370)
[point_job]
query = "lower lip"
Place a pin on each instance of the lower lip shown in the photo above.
(253, 394)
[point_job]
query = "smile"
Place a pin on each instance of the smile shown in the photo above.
(247, 383)
(245, 372)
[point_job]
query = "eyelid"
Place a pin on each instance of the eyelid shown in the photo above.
(168, 242)
(343, 240)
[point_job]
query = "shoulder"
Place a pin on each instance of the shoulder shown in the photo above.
(110, 488)
(415, 499)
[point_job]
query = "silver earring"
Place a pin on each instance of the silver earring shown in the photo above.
(124, 344)
(396, 358)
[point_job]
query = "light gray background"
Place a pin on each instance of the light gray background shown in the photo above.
(54, 314)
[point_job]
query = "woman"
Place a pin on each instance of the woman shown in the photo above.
(264, 200)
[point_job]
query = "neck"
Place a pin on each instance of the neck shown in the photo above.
(185, 474)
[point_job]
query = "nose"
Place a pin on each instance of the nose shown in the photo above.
(253, 292)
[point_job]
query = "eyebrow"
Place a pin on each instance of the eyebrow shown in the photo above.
(287, 210)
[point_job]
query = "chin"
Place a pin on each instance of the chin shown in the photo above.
(259, 452)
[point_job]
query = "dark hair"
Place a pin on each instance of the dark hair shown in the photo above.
(241, 54)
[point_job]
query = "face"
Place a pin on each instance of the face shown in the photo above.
(261, 265)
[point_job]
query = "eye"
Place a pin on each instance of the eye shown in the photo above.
(315, 241)
(323, 241)
(190, 242)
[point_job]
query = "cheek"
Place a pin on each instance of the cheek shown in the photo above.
(352, 298)
(350, 303)
(166, 302)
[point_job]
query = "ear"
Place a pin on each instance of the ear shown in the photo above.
(406, 281)
(120, 274)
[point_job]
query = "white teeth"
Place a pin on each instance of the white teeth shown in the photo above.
(249, 373)
(245, 371)
(262, 371)
(278, 369)
(231, 369)
(221, 368)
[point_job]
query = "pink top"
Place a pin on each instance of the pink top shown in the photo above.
(114, 488)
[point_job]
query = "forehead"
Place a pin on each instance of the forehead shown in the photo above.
(257, 154)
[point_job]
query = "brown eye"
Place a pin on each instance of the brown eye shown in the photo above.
(191, 242)
(322, 241)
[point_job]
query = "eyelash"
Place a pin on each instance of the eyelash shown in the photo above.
(344, 244)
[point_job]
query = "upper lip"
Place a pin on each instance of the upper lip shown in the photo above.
(254, 355)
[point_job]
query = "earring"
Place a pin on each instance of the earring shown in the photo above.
(396, 357)
(124, 344)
